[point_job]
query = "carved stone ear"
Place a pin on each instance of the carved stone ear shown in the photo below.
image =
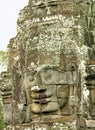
(62, 102)
(62, 95)
(62, 91)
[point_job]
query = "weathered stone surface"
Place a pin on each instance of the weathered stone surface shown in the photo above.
(6, 93)
(49, 59)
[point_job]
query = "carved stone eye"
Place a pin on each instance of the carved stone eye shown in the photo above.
(62, 95)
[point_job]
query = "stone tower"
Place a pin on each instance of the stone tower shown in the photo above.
(44, 85)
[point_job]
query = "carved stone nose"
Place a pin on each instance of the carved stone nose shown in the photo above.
(37, 88)
(40, 93)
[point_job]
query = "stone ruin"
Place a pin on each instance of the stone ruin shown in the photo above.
(50, 78)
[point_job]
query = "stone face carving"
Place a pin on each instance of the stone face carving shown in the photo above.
(47, 90)
(6, 93)
(46, 59)
(90, 82)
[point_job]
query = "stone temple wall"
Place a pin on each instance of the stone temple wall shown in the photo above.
(49, 82)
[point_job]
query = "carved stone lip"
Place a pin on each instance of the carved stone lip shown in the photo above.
(40, 95)
(42, 101)
(49, 107)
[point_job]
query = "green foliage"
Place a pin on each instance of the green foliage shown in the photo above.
(3, 60)
(2, 125)
(3, 56)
